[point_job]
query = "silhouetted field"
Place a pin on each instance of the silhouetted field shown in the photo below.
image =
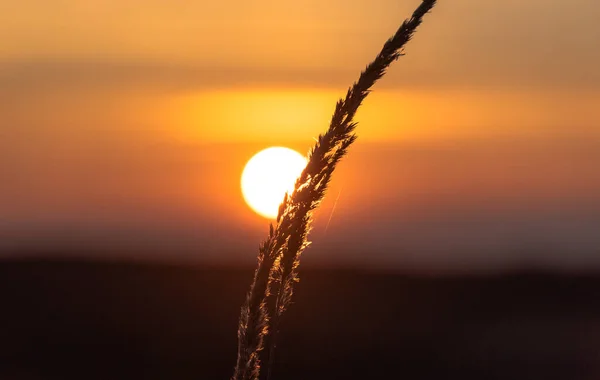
(83, 320)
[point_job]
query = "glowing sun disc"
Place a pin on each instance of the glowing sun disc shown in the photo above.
(268, 175)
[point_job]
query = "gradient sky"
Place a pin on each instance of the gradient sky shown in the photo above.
(124, 128)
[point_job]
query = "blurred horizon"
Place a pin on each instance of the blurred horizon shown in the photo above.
(124, 128)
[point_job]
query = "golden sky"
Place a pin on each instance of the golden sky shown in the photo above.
(181, 66)
(154, 106)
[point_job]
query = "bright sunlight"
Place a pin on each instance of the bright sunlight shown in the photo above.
(268, 175)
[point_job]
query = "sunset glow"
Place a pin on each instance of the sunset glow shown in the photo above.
(137, 119)
(268, 176)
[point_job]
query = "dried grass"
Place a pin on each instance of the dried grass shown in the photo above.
(279, 255)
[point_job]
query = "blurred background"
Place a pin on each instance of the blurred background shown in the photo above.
(125, 126)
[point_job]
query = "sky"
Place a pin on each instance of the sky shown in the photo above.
(124, 128)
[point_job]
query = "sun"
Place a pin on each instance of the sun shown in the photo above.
(268, 175)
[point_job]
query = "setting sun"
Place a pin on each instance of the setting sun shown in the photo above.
(268, 175)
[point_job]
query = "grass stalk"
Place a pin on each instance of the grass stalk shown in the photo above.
(279, 255)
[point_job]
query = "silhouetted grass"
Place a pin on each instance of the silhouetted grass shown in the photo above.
(278, 258)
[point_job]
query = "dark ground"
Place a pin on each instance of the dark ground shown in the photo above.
(77, 320)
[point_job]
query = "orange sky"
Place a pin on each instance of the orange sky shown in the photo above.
(154, 106)
(179, 67)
